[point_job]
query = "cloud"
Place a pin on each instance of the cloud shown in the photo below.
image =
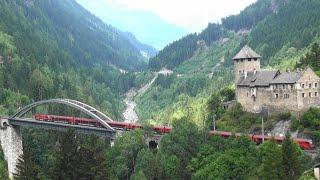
(192, 15)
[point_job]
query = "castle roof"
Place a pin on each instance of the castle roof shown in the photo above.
(245, 53)
(287, 78)
(258, 78)
(265, 78)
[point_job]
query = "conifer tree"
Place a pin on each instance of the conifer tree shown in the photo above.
(26, 168)
(271, 161)
(3, 166)
(67, 156)
(291, 158)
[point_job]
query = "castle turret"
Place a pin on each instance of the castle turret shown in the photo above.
(246, 60)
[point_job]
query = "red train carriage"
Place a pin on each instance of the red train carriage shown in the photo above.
(304, 144)
(92, 122)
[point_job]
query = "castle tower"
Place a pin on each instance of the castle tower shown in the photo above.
(246, 60)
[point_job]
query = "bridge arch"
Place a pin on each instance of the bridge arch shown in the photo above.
(92, 112)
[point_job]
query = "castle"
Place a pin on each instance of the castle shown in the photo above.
(277, 91)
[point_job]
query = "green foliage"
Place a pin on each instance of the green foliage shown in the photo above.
(175, 53)
(138, 176)
(250, 16)
(122, 157)
(78, 158)
(186, 91)
(26, 167)
(308, 175)
(270, 155)
(291, 158)
(294, 123)
(295, 24)
(179, 51)
(237, 120)
(310, 123)
(225, 159)
(183, 143)
(3, 166)
(312, 58)
(311, 118)
(62, 52)
(148, 164)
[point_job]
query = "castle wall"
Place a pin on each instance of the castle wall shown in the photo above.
(245, 65)
(276, 99)
(308, 90)
(283, 97)
(247, 100)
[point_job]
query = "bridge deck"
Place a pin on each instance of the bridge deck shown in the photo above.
(58, 126)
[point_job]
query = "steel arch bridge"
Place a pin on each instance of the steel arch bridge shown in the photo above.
(103, 130)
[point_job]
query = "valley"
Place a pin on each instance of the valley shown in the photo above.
(129, 113)
(56, 49)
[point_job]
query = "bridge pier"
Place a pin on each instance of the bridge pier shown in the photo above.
(11, 143)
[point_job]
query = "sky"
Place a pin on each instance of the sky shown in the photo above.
(159, 22)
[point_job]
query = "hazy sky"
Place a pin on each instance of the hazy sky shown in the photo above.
(193, 15)
(158, 22)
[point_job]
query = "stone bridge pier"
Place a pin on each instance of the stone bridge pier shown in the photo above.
(11, 143)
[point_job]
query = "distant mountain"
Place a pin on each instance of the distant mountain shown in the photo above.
(146, 50)
(146, 26)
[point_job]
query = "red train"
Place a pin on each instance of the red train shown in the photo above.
(304, 144)
(94, 123)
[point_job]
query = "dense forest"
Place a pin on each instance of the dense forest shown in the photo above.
(268, 24)
(63, 52)
(55, 48)
(186, 153)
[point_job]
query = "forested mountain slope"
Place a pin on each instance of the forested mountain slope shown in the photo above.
(183, 49)
(282, 31)
(72, 27)
(56, 48)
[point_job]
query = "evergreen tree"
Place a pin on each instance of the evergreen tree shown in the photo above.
(291, 158)
(67, 157)
(148, 163)
(3, 166)
(271, 161)
(26, 168)
(181, 145)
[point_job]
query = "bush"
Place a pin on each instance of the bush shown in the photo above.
(294, 123)
(311, 118)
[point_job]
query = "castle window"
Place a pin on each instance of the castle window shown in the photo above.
(302, 86)
(310, 94)
(255, 59)
(249, 59)
(276, 96)
(286, 96)
(310, 85)
(315, 85)
(283, 86)
(303, 95)
(291, 86)
(315, 94)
